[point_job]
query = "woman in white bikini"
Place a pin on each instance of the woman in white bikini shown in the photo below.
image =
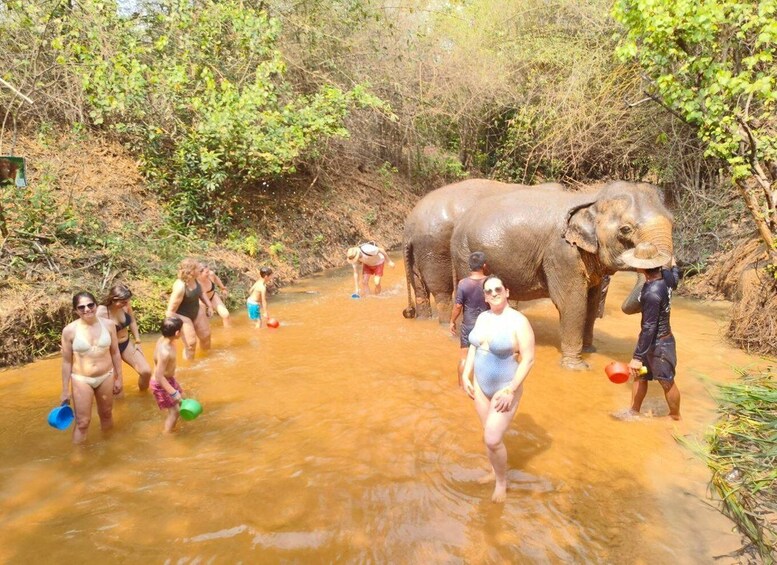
(116, 307)
(91, 366)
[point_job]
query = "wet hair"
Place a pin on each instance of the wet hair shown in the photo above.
(265, 272)
(83, 294)
(187, 268)
(476, 261)
(118, 291)
(170, 326)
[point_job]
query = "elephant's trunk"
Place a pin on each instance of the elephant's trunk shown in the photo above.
(657, 231)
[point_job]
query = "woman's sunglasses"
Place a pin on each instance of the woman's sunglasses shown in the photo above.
(121, 299)
(494, 291)
(85, 307)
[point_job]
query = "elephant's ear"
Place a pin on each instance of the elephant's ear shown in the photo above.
(581, 228)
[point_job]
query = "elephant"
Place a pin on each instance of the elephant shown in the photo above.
(427, 238)
(560, 245)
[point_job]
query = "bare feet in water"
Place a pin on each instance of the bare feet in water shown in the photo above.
(500, 493)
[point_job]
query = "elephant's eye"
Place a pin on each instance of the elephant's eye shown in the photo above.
(625, 230)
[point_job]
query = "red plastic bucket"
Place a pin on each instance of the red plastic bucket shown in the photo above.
(617, 372)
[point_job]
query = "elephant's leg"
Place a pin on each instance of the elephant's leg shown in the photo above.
(423, 307)
(444, 302)
(592, 312)
(437, 275)
(572, 304)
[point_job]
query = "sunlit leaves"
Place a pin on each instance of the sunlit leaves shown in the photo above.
(712, 62)
(197, 87)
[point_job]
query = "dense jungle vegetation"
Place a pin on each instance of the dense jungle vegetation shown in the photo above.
(248, 132)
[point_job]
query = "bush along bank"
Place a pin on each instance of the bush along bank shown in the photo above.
(740, 450)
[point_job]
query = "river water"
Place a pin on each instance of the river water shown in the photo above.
(342, 437)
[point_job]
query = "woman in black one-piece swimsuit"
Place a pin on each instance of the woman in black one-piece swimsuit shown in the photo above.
(185, 304)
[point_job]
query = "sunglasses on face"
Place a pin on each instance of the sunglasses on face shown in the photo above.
(121, 299)
(85, 307)
(494, 291)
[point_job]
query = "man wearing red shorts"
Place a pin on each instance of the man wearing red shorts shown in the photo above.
(372, 258)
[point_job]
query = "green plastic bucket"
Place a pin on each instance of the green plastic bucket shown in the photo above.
(190, 409)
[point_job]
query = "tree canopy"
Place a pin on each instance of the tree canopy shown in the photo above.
(712, 64)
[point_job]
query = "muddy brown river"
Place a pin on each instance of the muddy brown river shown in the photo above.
(342, 437)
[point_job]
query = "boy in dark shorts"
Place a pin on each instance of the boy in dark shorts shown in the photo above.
(166, 390)
(470, 299)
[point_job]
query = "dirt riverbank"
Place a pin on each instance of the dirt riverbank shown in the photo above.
(88, 219)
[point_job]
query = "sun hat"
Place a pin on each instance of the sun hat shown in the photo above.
(645, 256)
(352, 253)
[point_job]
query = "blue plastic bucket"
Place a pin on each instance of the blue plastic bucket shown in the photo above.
(61, 417)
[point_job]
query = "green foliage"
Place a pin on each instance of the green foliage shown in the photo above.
(248, 244)
(713, 64)
(441, 165)
(197, 88)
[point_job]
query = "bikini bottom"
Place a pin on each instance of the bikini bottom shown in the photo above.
(93, 382)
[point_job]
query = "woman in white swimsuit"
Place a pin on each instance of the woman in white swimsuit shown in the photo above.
(91, 366)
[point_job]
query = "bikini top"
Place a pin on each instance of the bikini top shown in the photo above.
(500, 342)
(83, 347)
(125, 324)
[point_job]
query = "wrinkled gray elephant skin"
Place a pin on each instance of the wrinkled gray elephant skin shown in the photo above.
(560, 245)
(427, 239)
(631, 303)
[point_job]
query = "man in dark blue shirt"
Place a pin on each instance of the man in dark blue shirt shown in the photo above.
(656, 347)
(470, 299)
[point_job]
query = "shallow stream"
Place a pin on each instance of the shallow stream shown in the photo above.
(342, 437)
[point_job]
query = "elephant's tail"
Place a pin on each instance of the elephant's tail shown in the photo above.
(409, 312)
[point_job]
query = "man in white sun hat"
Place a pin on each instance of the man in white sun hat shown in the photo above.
(656, 348)
(372, 258)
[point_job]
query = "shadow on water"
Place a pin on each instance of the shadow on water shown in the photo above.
(343, 437)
